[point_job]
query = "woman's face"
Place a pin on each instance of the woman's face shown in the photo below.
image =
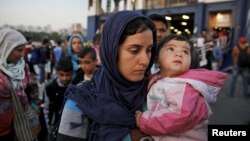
(174, 58)
(134, 55)
(16, 54)
(76, 45)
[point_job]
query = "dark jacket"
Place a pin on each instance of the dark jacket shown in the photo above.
(54, 100)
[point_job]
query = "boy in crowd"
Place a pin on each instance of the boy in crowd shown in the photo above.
(54, 92)
(88, 63)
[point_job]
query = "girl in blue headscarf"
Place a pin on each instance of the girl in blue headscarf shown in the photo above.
(75, 45)
(118, 88)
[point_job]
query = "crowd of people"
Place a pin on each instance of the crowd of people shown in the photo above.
(137, 81)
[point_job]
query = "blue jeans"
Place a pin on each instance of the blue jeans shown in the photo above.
(244, 73)
(41, 73)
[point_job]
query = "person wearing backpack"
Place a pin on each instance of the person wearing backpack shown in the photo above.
(241, 55)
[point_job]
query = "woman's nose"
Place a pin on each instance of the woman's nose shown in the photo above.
(144, 59)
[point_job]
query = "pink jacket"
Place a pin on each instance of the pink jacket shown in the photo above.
(178, 107)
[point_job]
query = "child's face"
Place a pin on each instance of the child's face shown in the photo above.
(174, 58)
(87, 64)
(64, 77)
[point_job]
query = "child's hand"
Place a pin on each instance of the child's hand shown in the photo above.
(137, 117)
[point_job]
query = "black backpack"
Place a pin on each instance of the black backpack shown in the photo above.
(243, 58)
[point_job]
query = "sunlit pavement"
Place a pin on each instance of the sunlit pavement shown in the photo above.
(231, 110)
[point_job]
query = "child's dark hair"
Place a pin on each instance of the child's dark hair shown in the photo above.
(64, 64)
(166, 39)
(87, 51)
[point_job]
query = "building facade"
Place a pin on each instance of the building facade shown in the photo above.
(229, 16)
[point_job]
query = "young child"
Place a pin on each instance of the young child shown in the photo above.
(178, 98)
(54, 92)
(88, 63)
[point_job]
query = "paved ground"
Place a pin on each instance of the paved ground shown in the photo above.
(231, 110)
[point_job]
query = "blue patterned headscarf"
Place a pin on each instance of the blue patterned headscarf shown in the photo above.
(74, 57)
(109, 99)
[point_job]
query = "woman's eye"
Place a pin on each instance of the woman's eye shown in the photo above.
(149, 49)
(20, 50)
(134, 51)
(76, 43)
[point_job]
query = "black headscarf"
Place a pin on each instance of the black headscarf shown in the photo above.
(108, 99)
